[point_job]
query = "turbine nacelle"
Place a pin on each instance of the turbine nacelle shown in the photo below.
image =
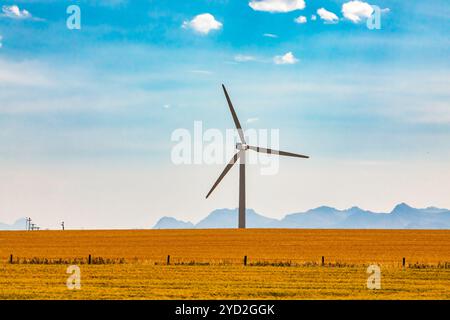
(242, 146)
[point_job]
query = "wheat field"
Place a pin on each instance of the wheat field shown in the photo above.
(208, 264)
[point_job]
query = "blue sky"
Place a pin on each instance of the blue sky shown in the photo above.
(86, 115)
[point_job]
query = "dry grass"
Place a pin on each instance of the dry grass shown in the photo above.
(207, 264)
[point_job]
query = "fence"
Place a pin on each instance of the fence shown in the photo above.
(245, 261)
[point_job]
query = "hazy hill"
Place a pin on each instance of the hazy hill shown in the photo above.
(227, 218)
(18, 225)
(172, 223)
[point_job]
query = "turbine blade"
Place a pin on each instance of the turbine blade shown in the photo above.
(281, 153)
(233, 114)
(225, 171)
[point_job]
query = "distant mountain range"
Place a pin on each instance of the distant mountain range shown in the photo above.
(401, 217)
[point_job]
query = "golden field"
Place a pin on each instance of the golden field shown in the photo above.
(208, 264)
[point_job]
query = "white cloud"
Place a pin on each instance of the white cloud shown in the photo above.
(243, 58)
(287, 58)
(301, 19)
(270, 35)
(326, 15)
(15, 12)
(203, 23)
(313, 17)
(356, 11)
(277, 5)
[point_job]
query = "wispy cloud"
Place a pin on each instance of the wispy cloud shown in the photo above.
(244, 58)
(24, 74)
(109, 3)
(205, 72)
(251, 120)
(270, 35)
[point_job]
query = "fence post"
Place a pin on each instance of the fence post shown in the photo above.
(168, 260)
(245, 260)
(11, 259)
(89, 259)
(404, 262)
(323, 260)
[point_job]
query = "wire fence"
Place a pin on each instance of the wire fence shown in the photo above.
(244, 261)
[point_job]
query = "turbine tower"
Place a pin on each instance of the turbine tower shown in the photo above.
(242, 147)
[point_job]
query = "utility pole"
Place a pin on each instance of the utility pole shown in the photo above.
(62, 225)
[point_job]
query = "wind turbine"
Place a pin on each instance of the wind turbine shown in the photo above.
(242, 147)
